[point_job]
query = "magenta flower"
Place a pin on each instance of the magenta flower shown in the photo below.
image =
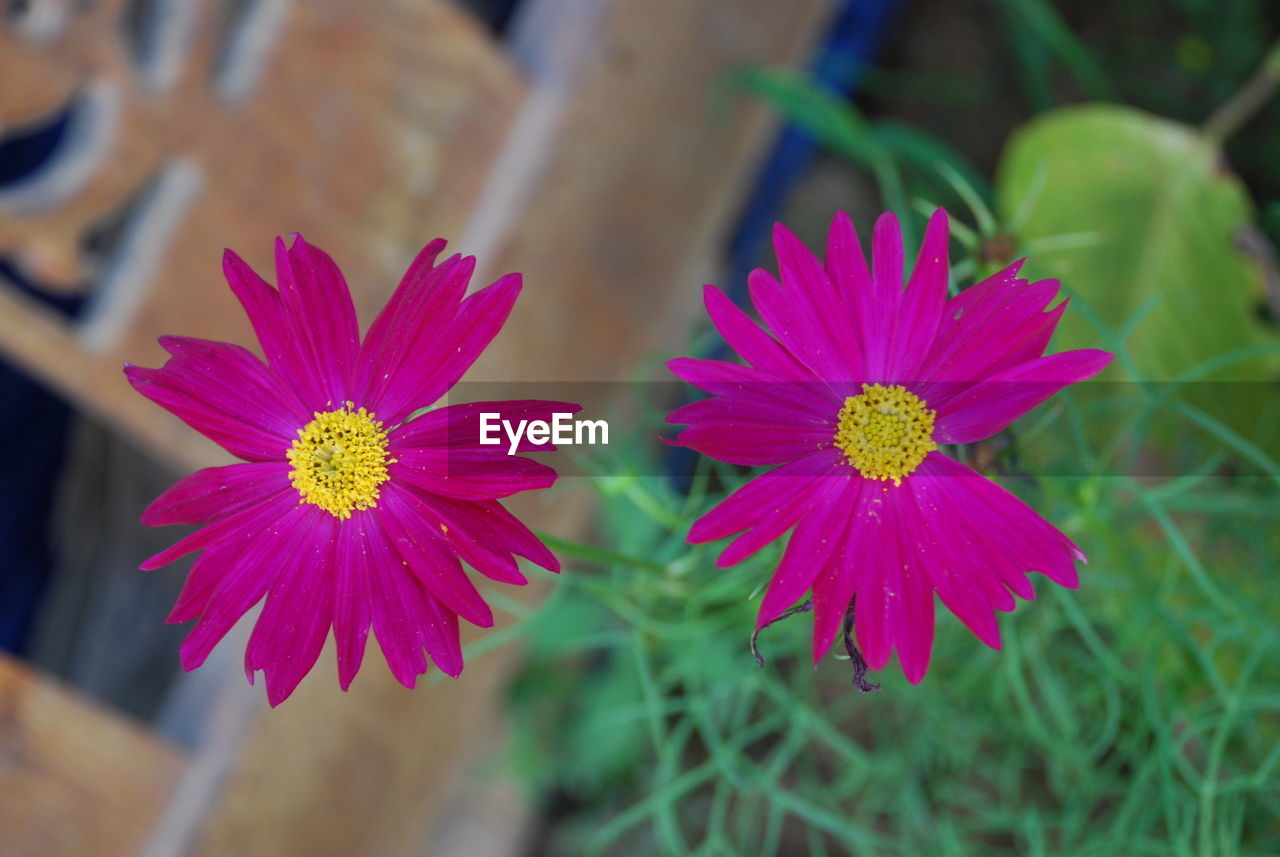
(345, 515)
(851, 394)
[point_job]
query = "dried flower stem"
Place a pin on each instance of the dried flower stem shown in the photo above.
(1228, 118)
(799, 608)
(859, 663)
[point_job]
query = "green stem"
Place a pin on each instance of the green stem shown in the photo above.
(1228, 118)
(597, 555)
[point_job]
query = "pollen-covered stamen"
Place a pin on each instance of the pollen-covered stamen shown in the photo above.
(885, 432)
(340, 460)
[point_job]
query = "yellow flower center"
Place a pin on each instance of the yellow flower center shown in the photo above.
(885, 432)
(340, 460)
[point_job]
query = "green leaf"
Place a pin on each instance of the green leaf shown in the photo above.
(925, 152)
(1038, 34)
(831, 121)
(1166, 272)
(607, 736)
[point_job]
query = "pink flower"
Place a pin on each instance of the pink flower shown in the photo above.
(851, 395)
(344, 515)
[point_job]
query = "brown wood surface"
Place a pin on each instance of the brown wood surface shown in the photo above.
(370, 131)
(100, 626)
(74, 778)
(631, 207)
(652, 163)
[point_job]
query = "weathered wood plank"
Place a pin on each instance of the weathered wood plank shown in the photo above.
(74, 779)
(370, 129)
(101, 621)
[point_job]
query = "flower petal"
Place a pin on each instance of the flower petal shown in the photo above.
(808, 284)
(396, 608)
(817, 545)
(894, 604)
(245, 580)
(352, 615)
(1016, 539)
(751, 431)
(317, 299)
(991, 326)
(425, 303)
(206, 573)
(879, 307)
(813, 401)
(442, 638)
(988, 407)
(914, 624)
(881, 555)
(438, 358)
(786, 316)
(751, 343)
(921, 305)
(291, 630)
(418, 536)
(766, 507)
(486, 536)
(470, 474)
(235, 423)
(859, 292)
(403, 310)
(202, 364)
(839, 578)
(216, 492)
(458, 426)
(243, 524)
(959, 576)
(271, 322)
(721, 375)
(407, 619)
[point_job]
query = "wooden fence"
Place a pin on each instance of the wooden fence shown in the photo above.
(587, 151)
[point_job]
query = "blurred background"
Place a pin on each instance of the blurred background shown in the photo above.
(620, 153)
